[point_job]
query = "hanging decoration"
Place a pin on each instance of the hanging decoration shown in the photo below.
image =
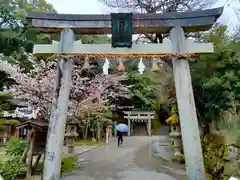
(121, 66)
(154, 67)
(106, 67)
(86, 65)
(141, 67)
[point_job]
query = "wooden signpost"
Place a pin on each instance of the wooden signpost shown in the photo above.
(174, 23)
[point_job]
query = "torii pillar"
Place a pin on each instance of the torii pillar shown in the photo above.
(186, 108)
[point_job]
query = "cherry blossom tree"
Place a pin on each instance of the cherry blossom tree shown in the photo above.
(36, 87)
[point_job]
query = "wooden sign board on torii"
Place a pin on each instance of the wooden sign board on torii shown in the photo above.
(174, 23)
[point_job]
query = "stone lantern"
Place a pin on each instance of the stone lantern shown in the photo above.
(71, 134)
(175, 134)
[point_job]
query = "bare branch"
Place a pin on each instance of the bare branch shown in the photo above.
(159, 6)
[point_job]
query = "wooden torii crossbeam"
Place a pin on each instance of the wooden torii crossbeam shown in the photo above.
(174, 23)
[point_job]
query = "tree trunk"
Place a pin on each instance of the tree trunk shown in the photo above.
(93, 133)
(86, 131)
(98, 131)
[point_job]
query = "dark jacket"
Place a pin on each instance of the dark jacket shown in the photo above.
(119, 133)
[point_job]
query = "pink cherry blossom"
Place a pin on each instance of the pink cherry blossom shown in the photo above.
(36, 88)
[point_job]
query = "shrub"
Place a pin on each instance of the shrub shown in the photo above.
(15, 147)
(214, 152)
(13, 167)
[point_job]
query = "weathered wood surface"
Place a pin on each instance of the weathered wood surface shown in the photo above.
(192, 21)
(58, 118)
(30, 153)
(164, 48)
(186, 109)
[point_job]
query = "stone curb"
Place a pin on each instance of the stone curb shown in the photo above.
(89, 149)
(94, 147)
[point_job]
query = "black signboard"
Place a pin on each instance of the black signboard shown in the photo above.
(121, 30)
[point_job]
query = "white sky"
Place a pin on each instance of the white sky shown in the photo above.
(95, 7)
(79, 6)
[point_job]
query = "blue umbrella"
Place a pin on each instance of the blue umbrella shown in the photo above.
(122, 127)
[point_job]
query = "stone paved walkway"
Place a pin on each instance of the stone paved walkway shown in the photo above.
(132, 161)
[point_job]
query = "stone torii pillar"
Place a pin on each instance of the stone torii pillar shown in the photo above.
(186, 108)
(58, 118)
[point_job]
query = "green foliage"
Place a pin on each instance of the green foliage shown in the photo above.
(9, 169)
(12, 167)
(214, 151)
(15, 147)
(216, 76)
(95, 39)
(16, 36)
(143, 90)
(8, 122)
(69, 164)
(229, 126)
(5, 81)
(104, 114)
(6, 105)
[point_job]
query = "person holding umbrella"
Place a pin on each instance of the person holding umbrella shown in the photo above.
(121, 128)
(120, 137)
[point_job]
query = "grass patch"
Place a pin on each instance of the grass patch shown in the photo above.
(68, 164)
(88, 143)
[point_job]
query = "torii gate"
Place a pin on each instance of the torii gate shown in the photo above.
(174, 22)
(142, 116)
